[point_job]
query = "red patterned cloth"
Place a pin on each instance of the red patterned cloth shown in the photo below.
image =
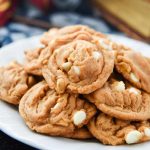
(7, 8)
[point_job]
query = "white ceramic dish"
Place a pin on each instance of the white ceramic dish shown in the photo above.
(12, 124)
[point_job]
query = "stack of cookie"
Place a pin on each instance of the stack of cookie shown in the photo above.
(81, 85)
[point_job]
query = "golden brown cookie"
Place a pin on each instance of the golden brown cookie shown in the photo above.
(35, 59)
(45, 111)
(80, 133)
(121, 100)
(79, 65)
(112, 131)
(135, 68)
(69, 31)
(56, 38)
(49, 35)
(14, 82)
(74, 30)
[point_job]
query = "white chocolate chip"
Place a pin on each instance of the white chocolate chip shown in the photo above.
(147, 132)
(76, 70)
(52, 42)
(61, 85)
(133, 77)
(96, 55)
(133, 137)
(79, 117)
(120, 86)
(133, 90)
(66, 66)
(56, 106)
(104, 45)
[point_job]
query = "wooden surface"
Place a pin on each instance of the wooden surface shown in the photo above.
(131, 17)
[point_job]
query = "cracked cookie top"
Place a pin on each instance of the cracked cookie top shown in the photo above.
(135, 68)
(121, 100)
(35, 60)
(79, 65)
(14, 82)
(112, 131)
(55, 38)
(47, 112)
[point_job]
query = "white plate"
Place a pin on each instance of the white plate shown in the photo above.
(12, 124)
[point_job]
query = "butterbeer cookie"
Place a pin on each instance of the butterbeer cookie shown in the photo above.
(56, 38)
(49, 35)
(45, 111)
(14, 82)
(135, 68)
(80, 133)
(35, 59)
(68, 31)
(121, 100)
(112, 131)
(80, 65)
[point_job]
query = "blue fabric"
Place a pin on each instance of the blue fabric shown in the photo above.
(57, 17)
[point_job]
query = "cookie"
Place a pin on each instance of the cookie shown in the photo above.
(135, 68)
(35, 59)
(14, 82)
(121, 100)
(66, 31)
(47, 112)
(48, 36)
(80, 65)
(112, 131)
(81, 133)
(56, 38)
(105, 42)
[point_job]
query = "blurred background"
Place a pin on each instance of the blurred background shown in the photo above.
(24, 18)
